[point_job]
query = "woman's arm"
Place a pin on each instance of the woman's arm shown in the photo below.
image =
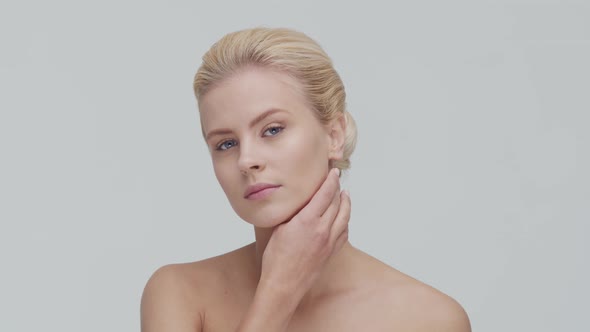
(295, 255)
(292, 261)
(271, 310)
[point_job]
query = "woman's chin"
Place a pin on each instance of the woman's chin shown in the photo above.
(273, 214)
(265, 222)
(268, 219)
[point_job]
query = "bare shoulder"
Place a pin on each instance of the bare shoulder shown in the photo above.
(175, 296)
(430, 309)
(164, 303)
(411, 305)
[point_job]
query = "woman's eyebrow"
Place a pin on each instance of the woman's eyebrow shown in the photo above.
(255, 121)
(264, 115)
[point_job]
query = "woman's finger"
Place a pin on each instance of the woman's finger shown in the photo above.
(323, 197)
(340, 223)
(332, 209)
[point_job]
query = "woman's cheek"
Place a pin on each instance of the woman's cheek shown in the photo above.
(223, 177)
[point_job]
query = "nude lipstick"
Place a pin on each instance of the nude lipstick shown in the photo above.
(260, 190)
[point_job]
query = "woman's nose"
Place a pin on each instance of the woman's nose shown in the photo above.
(250, 159)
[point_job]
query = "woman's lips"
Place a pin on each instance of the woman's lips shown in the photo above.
(259, 191)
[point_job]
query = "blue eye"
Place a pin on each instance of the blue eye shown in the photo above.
(273, 130)
(225, 145)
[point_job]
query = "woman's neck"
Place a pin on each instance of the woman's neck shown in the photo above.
(336, 275)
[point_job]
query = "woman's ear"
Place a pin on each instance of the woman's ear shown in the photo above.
(337, 134)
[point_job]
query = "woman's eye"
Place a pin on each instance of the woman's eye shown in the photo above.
(272, 131)
(225, 145)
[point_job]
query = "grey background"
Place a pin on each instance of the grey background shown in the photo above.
(470, 172)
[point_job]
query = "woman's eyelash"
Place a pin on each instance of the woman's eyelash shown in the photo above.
(277, 128)
(222, 146)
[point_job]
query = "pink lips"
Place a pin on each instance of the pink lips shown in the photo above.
(259, 190)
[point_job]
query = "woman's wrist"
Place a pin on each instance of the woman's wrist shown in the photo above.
(282, 293)
(271, 309)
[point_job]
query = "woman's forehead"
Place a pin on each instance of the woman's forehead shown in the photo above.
(248, 93)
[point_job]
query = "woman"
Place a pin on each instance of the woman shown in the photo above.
(273, 115)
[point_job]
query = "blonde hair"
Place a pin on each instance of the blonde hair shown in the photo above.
(289, 51)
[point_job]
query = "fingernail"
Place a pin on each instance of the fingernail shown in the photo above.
(338, 171)
(346, 192)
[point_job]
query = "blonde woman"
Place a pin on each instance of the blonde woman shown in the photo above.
(273, 115)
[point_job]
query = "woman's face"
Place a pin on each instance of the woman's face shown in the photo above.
(260, 130)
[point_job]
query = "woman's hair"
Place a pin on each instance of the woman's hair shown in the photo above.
(288, 51)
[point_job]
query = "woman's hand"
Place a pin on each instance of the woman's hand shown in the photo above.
(295, 255)
(298, 249)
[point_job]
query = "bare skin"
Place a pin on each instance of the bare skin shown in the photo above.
(301, 273)
(214, 294)
(352, 291)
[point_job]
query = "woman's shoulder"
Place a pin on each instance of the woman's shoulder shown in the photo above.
(406, 299)
(178, 292)
(167, 303)
(199, 275)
